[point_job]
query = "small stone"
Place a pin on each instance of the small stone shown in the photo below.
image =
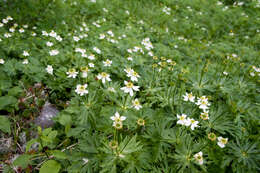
(47, 113)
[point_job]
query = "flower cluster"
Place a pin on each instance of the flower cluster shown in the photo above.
(183, 120)
(221, 141)
(118, 120)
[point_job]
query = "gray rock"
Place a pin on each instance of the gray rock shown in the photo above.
(47, 113)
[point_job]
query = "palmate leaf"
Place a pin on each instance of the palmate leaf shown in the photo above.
(244, 156)
(158, 135)
(222, 123)
(129, 146)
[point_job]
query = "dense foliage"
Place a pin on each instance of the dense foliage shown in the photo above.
(141, 86)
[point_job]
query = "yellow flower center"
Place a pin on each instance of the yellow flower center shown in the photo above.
(84, 69)
(72, 70)
(82, 88)
(129, 85)
(135, 74)
(136, 102)
(103, 74)
(203, 103)
(223, 141)
(118, 125)
(182, 118)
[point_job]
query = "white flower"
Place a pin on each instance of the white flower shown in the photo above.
(49, 69)
(53, 34)
(98, 51)
(105, 10)
(97, 25)
(110, 33)
(203, 103)
(127, 12)
(150, 53)
(129, 88)
(111, 89)
(25, 26)
(72, 73)
(91, 65)
(134, 76)
(75, 38)
(189, 97)
(12, 29)
(5, 21)
(204, 115)
(49, 44)
(33, 34)
(192, 123)
(9, 18)
(147, 43)
(54, 52)
(128, 71)
(58, 38)
(94, 1)
(167, 10)
(225, 73)
(130, 58)
(85, 160)
(101, 36)
(85, 71)
(25, 61)
(182, 119)
(222, 141)
(81, 89)
(21, 30)
(117, 118)
(45, 33)
(136, 104)
(91, 57)
(7, 35)
(199, 157)
(2, 61)
(107, 63)
(25, 53)
(1, 24)
(104, 76)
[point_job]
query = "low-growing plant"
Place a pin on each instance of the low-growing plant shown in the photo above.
(141, 86)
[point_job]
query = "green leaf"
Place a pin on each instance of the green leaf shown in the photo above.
(51, 166)
(15, 91)
(52, 134)
(29, 144)
(65, 119)
(5, 124)
(23, 161)
(58, 154)
(7, 101)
